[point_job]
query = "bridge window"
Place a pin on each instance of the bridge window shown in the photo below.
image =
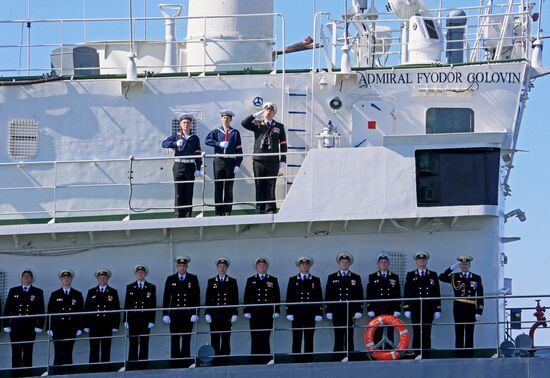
(449, 120)
(457, 177)
(23, 138)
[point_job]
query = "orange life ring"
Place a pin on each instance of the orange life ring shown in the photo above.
(387, 320)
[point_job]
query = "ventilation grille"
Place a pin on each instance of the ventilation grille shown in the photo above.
(197, 118)
(3, 287)
(23, 138)
(398, 265)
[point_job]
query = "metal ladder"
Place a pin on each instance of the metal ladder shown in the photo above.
(297, 119)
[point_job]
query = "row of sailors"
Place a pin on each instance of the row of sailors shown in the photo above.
(269, 142)
(182, 295)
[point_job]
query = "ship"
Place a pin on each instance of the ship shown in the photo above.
(402, 128)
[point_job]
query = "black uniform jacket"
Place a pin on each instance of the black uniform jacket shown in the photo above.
(264, 291)
(224, 293)
(99, 303)
(66, 304)
(422, 287)
(464, 288)
(379, 287)
(181, 294)
(303, 291)
(348, 288)
(276, 134)
(137, 298)
(23, 304)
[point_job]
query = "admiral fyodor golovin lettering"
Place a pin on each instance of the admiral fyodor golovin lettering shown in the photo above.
(366, 79)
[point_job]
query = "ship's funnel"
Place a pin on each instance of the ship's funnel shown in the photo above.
(170, 12)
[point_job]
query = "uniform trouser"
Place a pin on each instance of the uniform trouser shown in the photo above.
(184, 191)
(422, 328)
(260, 332)
(21, 351)
(138, 343)
(223, 190)
(265, 188)
(343, 334)
(464, 333)
(220, 334)
(100, 340)
(180, 345)
(303, 327)
(63, 348)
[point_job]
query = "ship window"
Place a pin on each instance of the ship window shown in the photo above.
(23, 138)
(175, 126)
(457, 177)
(449, 120)
(430, 27)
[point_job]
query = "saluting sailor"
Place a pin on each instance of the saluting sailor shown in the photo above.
(383, 284)
(141, 295)
(65, 328)
(22, 301)
(422, 283)
(261, 288)
(303, 288)
(101, 325)
(222, 291)
(343, 286)
(185, 168)
(181, 291)
(466, 310)
(225, 140)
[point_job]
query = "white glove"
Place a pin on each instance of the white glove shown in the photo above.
(150, 325)
(126, 325)
(87, 330)
(371, 314)
(454, 266)
(397, 314)
(408, 314)
(234, 318)
(166, 319)
(37, 330)
(329, 315)
(290, 318)
(115, 330)
(258, 115)
(7, 329)
(78, 332)
(197, 173)
(276, 315)
(357, 315)
(179, 143)
(318, 318)
(194, 318)
(437, 315)
(282, 165)
(478, 317)
(49, 332)
(247, 315)
(237, 170)
(224, 144)
(208, 318)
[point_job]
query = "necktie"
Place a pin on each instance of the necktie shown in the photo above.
(181, 278)
(66, 292)
(344, 274)
(261, 277)
(141, 285)
(25, 289)
(221, 279)
(422, 274)
(102, 290)
(384, 275)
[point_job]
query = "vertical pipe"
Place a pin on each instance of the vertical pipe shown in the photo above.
(85, 24)
(29, 37)
(55, 181)
(131, 26)
(145, 20)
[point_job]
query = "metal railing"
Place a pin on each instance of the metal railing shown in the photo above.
(492, 328)
(53, 189)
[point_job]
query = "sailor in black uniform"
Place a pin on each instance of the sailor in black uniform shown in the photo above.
(304, 288)
(65, 328)
(466, 310)
(225, 140)
(185, 168)
(22, 301)
(181, 290)
(222, 291)
(383, 284)
(102, 325)
(422, 283)
(141, 295)
(343, 286)
(261, 288)
(269, 138)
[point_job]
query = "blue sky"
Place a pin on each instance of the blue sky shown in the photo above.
(528, 259)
